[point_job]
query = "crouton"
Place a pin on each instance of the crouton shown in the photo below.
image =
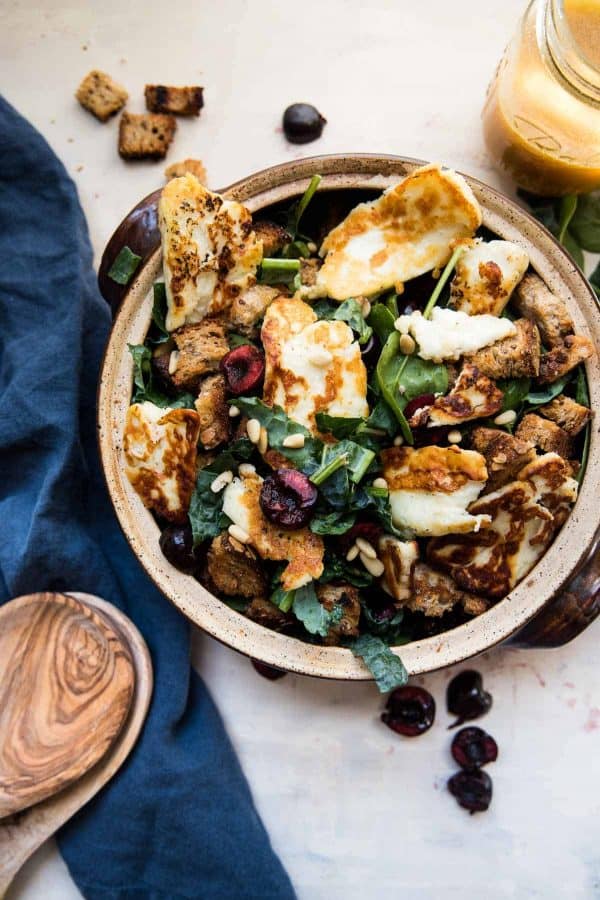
(100, 95)
(474, 396)
(517, 356)
(187, 167)
(533, 300)
(234, 569)
(398, 558)
(160, 370)
(145, 136)
(200, 349)
(248, 308)
(434, 593)
(274, 237)
(546, 435)
(505, 455)
(265, 613)
(564, 357)
(571, 416)
(179, 101)
(309, 269)
(213, 409)
(347, 598)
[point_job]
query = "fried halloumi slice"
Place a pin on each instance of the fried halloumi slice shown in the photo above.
(300, 548)
(408, 230)
(160, 454)
(474, 396)
(399, 558)
(431, 488)
(210, 252)
(524, 516)
(486, 274)
(311, 365)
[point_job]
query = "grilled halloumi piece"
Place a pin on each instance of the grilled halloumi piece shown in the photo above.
(210, 252)
(160, 454)
(450, 334)
(474, 396)
(300, 548)
(431, 488)
(311, 365)
(486, 274)
(524, 516)
(408, 230)
(398, 558)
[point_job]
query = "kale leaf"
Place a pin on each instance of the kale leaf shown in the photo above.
(387, 669)
(143, 382)
(313, 615)
(279, 426)
(350, 311)
(206, 508)
(124, 266)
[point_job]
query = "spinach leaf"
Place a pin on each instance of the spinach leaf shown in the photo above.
(347, 455)
(339, 426)
(381, 321)
(585, 222)
(124, 266)
(515, 391)
(567, 209)
(350, 311)
(313, 615)
(279, 426)
(382, 418)
(545, 395)
(144, 385)
(238, 340)
(336, 568)
(329, 522)
(206, 508)
(387, 669)
(158, 333)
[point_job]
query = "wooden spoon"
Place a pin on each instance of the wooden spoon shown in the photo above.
(82, 676)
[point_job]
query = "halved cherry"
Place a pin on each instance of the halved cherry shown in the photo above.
(244, 369)
(288, 498)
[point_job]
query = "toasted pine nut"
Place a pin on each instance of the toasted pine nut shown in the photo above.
(253, 430)
(407, 344)
(380, 483)
(293, 441)
(263, 441)
(398, 440)
(233, 412)
(436, 273)
(454, 436)
(373, 566)
(366, 548)
(173, 360)
(366, 308)
(245, 469)
(221, 480)
(320, 357)
(506, 418)
(352, 553)
(239, 534)
(312, 247)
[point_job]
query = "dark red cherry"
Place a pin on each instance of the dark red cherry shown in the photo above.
(302, 123)
(288, 498)
(409, 711)
(418, 403)
(472, 747)
(466, 698)
(423, 437)
(473, 790)
(177, 544)
(381, 607)
(244, 369)
(267, 671)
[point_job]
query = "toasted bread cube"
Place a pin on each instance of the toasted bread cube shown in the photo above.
(187, 167)
(517, 356)
(145, 136)
(274, 237)
(265, 613)
(546, 435)
(505, 455)
(179, 101)
(571, 416)
(213, 409)
(564, 357)
(347, 598)
(249, 307)
(536, 302)
(100, 95)
(234, 569)
(200, 349)
(433, 593)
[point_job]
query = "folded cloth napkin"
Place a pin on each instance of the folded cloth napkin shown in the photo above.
(178, 819)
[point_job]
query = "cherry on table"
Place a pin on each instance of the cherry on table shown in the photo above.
(270, 672)
(473, 747)
(409, 711)
(302, 123)
(466, 698)
(473, 790)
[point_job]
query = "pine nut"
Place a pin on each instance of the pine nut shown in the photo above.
(173, 360)
(253, 430)
(436, 273)
(398, 440)
(263, 441)
(365, 548)
(293, 441)
(233, 412)
(311, 247)
(352, 553)
(506, 418)
(320, 357)
(407, 344)
(366, 308)
(373, 566)
(239, 534)
(221, 480)
(454, 436)
(245, 469)
(380, 484)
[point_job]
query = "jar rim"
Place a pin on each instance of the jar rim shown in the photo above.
(564, 53)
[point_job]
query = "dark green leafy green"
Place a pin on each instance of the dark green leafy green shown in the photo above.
(382, 418)
(582, 396)
(282, 598)
(595, 280)
(297, 210)
(350, 311)
(585, 222)
(336, 568)
(238, 340)
(567, 209)
(328, 521)
(545, 395)
(345, 454)
(279, 426)
(391, 303)
(124, 266)
(382, 321)
(378, 504)
(390, 631)
(143, 382)
(339, 426)
(570, 244)
(387, 669)
(573, 220)
(441, 282)
(158, 333)
(206, 515)
(515, 391)
(313, 615)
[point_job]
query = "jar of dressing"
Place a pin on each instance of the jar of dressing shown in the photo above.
(541, 120)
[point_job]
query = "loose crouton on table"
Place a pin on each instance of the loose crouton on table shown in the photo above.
(187, 167)
(100, 95)
(505, 455)
(179, 101)
(234, 569)
(346, 597)
(535, 301)
(200, 349)
(145, 136)
(546, 435)
(571, 416)
(564, 357)
(517, 356)
(213, 410)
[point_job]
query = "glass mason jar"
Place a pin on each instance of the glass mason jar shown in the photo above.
(541, 119)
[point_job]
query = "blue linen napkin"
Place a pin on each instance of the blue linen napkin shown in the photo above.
(178, 819)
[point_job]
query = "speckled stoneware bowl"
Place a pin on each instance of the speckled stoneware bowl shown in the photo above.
(551, 605)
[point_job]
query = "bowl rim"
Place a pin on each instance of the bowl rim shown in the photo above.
(553, 570)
